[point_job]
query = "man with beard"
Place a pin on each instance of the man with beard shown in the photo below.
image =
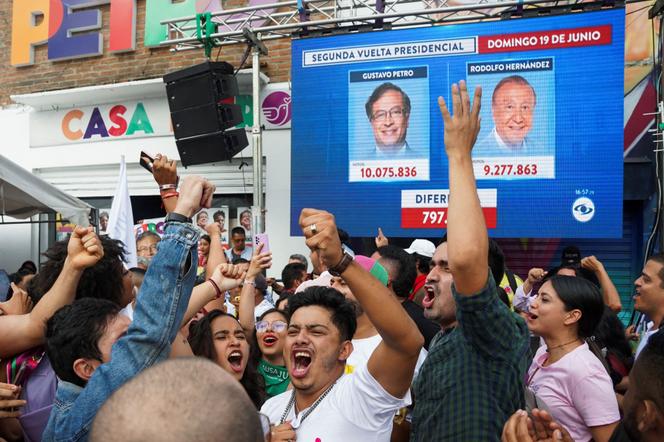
(643, 406)
(325, 405)
(472, 380)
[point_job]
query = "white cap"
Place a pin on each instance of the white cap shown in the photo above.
(422, 247)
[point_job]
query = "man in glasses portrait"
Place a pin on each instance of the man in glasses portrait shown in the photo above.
(388, 110)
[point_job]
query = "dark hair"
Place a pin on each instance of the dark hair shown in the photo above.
(422, 263)
(610, 336)
(17, 278)
(578, 271)
(344, 237)
(206, 238)
(146, 234)
(202, 344)
(659, 259)
(648, 372)
(342, 311)
(239, 230)
(73, 332)
(101, 281)
(496, 261)
(283, 313)
(239, 261)
(283, 296)
(578, 293)
(379, 91)
(219, 213)
(404, 268)
(516, 79)
(28, 265)
(291, 273)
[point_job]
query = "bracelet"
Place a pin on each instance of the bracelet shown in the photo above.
(169, 195)
(163, 187)
(216, 289)
(250, 282)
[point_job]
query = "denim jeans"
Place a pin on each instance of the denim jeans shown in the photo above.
(160, 307)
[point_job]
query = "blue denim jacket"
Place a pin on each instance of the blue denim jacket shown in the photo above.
(160, 308)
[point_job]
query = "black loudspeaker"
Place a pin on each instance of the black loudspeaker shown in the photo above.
(201, 115)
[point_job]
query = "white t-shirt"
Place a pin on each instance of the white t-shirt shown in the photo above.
(577, 390)
(128, 311)
(644, 339)
(262, 307)
(356, 409)
(364, 348)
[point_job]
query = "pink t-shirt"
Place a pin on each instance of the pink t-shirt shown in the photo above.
(576, 389)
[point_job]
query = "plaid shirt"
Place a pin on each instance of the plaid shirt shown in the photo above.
(472, 380)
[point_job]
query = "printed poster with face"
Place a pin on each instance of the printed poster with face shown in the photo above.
(217, 215)
(518, 112)
(245, 219)
(388, 132)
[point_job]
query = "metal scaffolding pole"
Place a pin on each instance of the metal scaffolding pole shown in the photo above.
(257, 49)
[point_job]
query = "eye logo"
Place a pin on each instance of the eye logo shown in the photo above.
(583, 209)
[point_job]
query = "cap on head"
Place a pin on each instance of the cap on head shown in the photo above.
(422, 247)
(374, 267)
(571, 256)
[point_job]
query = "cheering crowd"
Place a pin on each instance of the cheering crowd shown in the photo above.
(421, 344)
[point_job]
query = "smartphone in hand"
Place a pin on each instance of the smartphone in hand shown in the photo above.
(146, 161)
(261, 238)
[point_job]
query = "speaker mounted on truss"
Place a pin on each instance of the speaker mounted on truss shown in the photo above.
(200, 99)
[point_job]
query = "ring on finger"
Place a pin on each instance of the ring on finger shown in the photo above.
(313, 229)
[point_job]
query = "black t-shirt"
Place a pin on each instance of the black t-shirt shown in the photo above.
(427, 328)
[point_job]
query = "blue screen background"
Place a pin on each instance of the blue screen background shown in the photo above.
(588, 134)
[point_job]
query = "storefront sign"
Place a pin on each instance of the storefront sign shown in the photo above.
(72, 28)
(147, 118)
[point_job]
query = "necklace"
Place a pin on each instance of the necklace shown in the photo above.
(548, 350)
(298, 421)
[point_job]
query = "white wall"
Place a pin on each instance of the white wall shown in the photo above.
(277, 150)
(16, 241)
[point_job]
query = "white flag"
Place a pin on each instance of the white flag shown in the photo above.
(121, 218)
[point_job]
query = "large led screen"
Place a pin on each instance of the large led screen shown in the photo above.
(367, 135)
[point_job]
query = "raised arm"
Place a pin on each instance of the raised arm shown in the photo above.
(258, 262)
(160, 306)
(609, 291)
(22, 332)
(393, 362)
(216, 257)
(224, 277)
(467, 239)
(165, 173)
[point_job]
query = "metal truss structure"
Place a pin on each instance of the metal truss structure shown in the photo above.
(252, 25)
(301, 18)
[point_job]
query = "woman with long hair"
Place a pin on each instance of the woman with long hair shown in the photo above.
(220, 338)
(565, 374)
(269, 331)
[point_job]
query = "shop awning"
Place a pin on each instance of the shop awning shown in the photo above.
(23, 195)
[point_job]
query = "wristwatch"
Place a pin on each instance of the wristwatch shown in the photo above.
(341, 267)
(177, 217)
